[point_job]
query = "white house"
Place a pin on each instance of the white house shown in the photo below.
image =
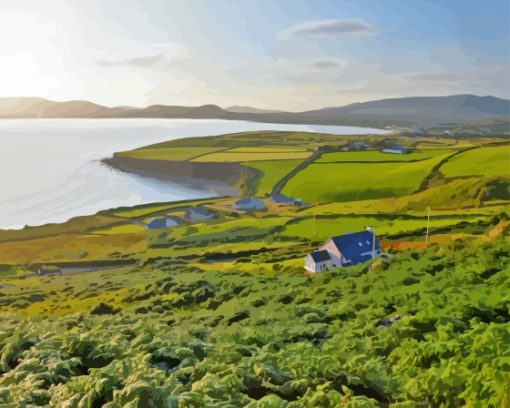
(344, 250)
(318, 261)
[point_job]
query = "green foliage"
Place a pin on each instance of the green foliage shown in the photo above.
(377, 156)
(210, 339)
(269, 173)
(486, 161)
(218, 314)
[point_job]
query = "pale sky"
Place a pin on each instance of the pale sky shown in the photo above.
(286, 54)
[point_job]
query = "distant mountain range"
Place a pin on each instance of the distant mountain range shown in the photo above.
(415, 111)
(249, 109)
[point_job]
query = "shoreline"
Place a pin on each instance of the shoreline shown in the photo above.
(224, 179)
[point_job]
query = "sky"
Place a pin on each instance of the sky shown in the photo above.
(273, 54)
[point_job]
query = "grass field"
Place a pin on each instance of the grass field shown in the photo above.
(70, 247)
(323, 227)
(438, 145)
(486, 161)
(119, 229)
(376, 156)
(169, 153)
(148, 209)
(271, 172)
(457, 196)
(238, 157)
(276, 149)
(357, 181)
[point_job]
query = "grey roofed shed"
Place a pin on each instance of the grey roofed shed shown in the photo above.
(249, 204)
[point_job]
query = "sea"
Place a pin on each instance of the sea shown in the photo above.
(51, 169)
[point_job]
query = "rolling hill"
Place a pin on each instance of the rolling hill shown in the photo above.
(421, 111)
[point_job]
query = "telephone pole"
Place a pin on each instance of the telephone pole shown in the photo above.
(428, 226)
(373, 242)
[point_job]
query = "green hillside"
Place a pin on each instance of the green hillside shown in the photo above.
(424, 329)
(220, 312)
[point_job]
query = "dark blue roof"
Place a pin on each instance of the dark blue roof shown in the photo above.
(320, 256)
(397, 147)
(353, 245)
(281, 198)
(201, 210)
(163, 222)
(250, 202)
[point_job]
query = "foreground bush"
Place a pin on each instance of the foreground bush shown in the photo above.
(423, 329)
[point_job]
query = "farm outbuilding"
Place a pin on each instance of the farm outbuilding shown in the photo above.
(285, 200)
(396, 149)
(163, 222)
(282, 199)
(249, 204)
(200, 213)
(49, 270)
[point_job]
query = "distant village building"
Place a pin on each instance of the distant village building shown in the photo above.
(283, 199)
(396, 149)
(199, 213)
(49, 270)
(355, 146)
(163, 222)
(249, 204)
(359, 146)
(344, 250)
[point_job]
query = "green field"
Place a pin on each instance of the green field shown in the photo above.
(271, 172)
(255, 149)
(323, 227)
(487, 161)
(119, 229)
(169, 153)
(147, 209)
(376, 156)
(357, 181)
(477, 195)
(251, 156)
(435, 145)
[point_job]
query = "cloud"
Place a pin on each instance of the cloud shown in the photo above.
(329, 28)
(139, 62)
(325, 64)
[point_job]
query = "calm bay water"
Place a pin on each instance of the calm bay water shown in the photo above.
(50, 169)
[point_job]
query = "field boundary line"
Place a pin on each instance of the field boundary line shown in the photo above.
(435, 169)
(305, 163)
